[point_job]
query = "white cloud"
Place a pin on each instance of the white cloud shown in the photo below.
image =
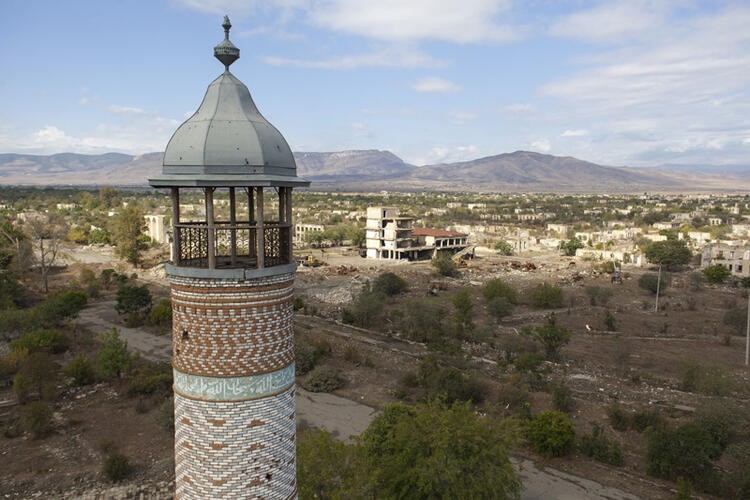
(125, 110)
(461, 21)
(241, 9)
(575, 133)
(542, 145)
(676, 92)
(397, 57)
(518, 107)
(444, 154)
(435, 84)
(611, 21)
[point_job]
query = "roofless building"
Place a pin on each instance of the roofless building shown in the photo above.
(232, 281)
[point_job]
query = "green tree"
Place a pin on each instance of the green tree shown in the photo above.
(365, 310)
(504, 248)
(439, 451)
(551, 336)
(389, 284)
(133, 299)
(424, 321)
(496, 288)
(463, 306)
(551, 434)
(113, 357)
(128, 227)
(357, 236)
(717, 274)
(445, 265)
(81, 370)
(569, 247)
(686, 452)
(670, 253)
(651, 281)
(545, 296)
(328, 468)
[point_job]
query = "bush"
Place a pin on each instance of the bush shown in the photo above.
(684, 452)
(444, 265)
(37, 419)
(424, 321)
(562, 397)
(711, 381)
(60, 307)
(113, 357)
(618, 418)
(717, 274)
(503, 247)
(463, 308)
(389, 284)
(545, 296)
(598, 295)
(116, 467)
(650, 281)
(161, 313)
(37, 374)
(601, 448)
(165, 415)
(81, 370)
(41, 339)
(737, 318)
(365, 310)
(449, 384)
(323, 379)
(647, 419)
(133, 299)
(500, 307)
(497, 288)
(551, 434)
(147, 378)
(552, 337)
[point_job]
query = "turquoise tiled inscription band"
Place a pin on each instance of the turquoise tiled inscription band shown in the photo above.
(233, 388)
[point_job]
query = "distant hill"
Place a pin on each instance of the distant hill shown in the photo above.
(358, 170)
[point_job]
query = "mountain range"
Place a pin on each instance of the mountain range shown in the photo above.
(369, 170)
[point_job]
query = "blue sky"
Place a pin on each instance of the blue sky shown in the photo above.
(630, 82)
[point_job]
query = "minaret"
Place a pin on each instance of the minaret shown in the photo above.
(232, 276)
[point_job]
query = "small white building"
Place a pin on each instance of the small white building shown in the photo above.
(155, 228)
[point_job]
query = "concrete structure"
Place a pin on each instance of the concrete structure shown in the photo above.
(302, 230)
(736, 258)
(232, 287)
(155, 228)
(390, 236)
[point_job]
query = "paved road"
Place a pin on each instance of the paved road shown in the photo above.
(345, 418)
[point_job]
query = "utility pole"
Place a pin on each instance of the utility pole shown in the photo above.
(658, 286)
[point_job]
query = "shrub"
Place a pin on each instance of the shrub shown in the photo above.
(497, 288)
(723, 420)
(133, 299)
(500, 307)
(450, 383)
(684, 452)
(647, 419)
(545, 296)
(52, 341)
(598, 295)
(116, 467)
(161, 313)
(737, 318)
(712, 380)
(389, 284)
(307, 356)
(298, 303)
(618, 418)
(601, 448)
(609, 321)
(528, 362)
(113, 357)
(37, 374)
(562, 397)
(60, 307)
(551, 434)
(650, 281)
(552, 337)
(697, 279)
(37, 419)
(365, 310)
(463, 307)
(444, 265)
(323, 379)
(717, 274)
(145, 378)
(503, 247)
(165, 414)
(424, 323)
(81, 370)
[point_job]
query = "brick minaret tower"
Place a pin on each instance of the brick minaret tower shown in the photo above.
(232, 275)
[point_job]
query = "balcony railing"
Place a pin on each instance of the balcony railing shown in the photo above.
(235, 244)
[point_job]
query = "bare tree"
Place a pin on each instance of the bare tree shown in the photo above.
(47, 231)
(15, 247)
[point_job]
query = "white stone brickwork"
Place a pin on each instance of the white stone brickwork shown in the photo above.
(233, 360)
(236, 449)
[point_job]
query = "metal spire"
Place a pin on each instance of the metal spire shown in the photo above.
(226, 52)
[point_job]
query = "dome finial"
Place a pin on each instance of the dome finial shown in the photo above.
(226, 52)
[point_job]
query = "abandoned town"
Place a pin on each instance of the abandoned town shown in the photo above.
(192, 307)
(522, 305)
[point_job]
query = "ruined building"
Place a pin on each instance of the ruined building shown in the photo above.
(232, 283)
